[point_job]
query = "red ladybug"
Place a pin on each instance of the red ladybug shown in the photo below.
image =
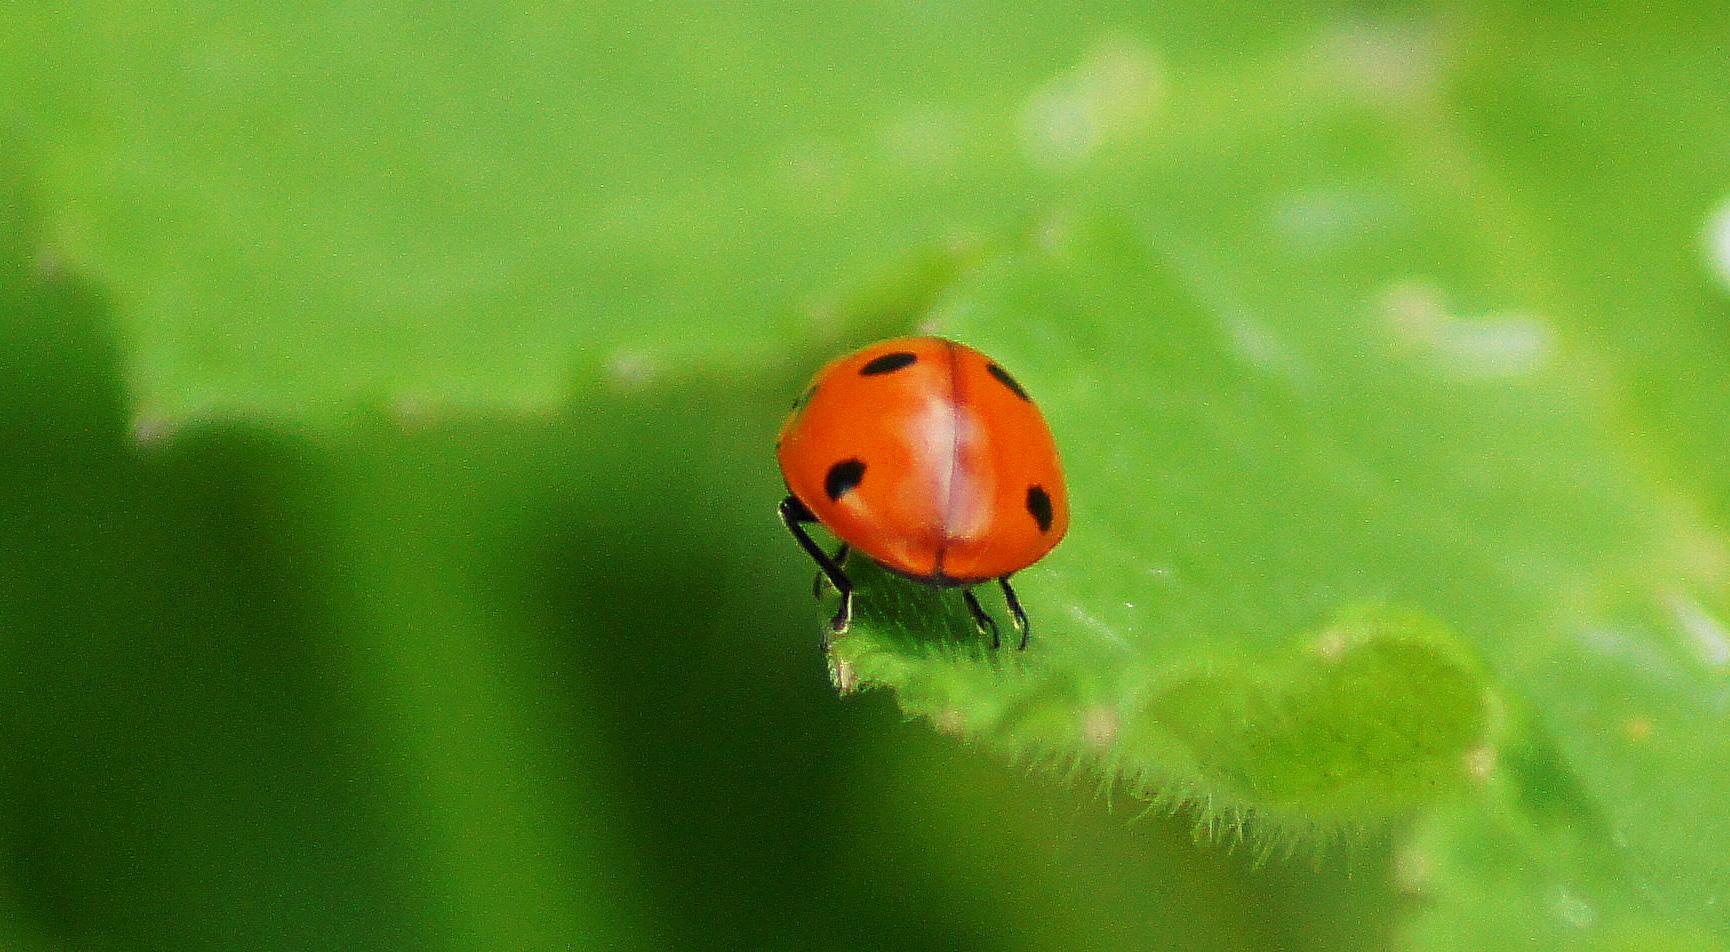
(928, 457)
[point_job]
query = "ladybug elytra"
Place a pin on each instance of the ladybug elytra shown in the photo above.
(926, 456)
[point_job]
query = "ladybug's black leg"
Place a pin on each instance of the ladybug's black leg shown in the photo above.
(794, 514)
(1015, 611)
(822, 577)
(981, 620)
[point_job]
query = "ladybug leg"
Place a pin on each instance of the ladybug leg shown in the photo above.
(1015, 611)
(981, 620)
(795, 515)
(839, 558)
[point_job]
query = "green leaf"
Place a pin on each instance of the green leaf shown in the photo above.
(1278, 405)
(318, 205)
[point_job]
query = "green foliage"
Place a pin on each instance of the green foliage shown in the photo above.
(386, 549)
(1381, 715)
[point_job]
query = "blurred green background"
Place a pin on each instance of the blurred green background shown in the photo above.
(387, 548)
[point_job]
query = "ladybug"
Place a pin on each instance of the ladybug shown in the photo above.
(929, 458)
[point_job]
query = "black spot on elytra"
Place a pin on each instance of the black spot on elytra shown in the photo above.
(1008, 381)
(846, 474)
(1039, 506)
(888, 363)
